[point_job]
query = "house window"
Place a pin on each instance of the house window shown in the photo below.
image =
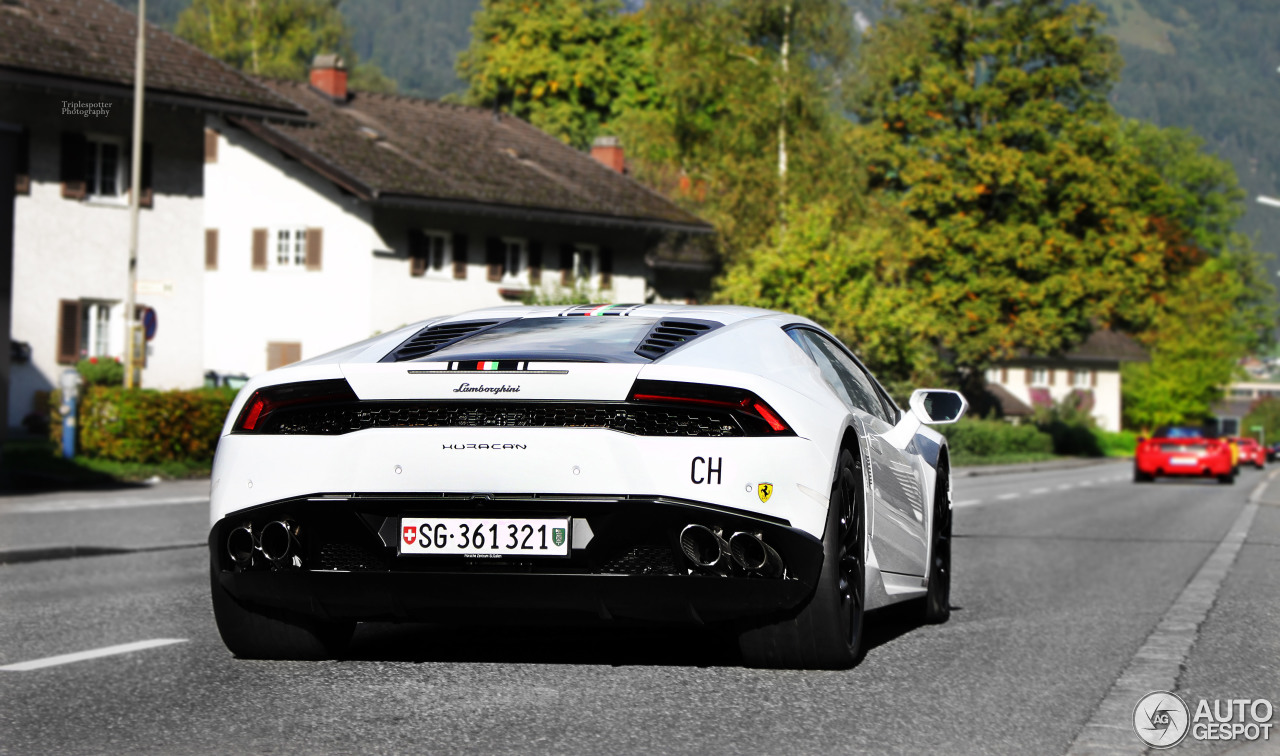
(104, 168)
(584, 263)
(1081, 378)
(291, 247)
(1039, 377)
(430, 251)
(95, 329)
(513, 259)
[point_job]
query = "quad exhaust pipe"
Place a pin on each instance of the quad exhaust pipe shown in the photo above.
(277, 541)
(707, 549)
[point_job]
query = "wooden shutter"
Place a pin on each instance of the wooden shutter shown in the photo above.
(1093, 378)
(535, 263)
(71, 169)
(1028, 377)
(606, 268)
(493, 258)
(1051, 373)
(281, 353)
(210, 146)
(145, 198)
(22, 164)
(460, 256)
(259, 249)
(566, 265)
(68, 331)
(211, 249)
(418, 251)
(315, 248)
(1004, 375)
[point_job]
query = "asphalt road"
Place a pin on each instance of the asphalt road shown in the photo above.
(1073, 589)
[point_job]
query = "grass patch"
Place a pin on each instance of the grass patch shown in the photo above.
(34, 464)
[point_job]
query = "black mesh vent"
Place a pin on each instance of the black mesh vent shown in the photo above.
(643, 560)
(349, 557)
(667, 335)
(434, 338)
(627, 418)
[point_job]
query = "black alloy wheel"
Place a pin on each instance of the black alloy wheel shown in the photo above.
(937, 600)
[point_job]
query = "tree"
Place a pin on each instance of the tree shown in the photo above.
(275, 37)
(565, 66)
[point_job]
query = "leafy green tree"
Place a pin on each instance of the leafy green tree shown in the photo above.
(1265, 412)
(565, 66)
(274, 37)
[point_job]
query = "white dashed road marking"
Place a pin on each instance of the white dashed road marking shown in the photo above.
(54, 661)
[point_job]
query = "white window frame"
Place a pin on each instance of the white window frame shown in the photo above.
(586, 263)
(515, 251)
(93, 180)
(1081, 378)
(96, 322)
(294, 241)
(1039, 376)
(446, 254)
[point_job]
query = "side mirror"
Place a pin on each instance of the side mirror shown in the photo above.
(938, 406)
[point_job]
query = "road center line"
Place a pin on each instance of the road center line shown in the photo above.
(965, 503)
(124, 648)
(1006, 497)
(1157, 664)
(1038, 490)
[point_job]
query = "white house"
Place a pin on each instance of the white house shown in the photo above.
(66, 73)
(1088, 375)
(382, 210)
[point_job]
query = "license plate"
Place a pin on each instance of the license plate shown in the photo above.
(1182, 460)
(485, 536)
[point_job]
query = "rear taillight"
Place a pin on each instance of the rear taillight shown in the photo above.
(269, 403)
(753, 413)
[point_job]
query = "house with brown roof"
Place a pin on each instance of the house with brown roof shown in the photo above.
(1088, 375)
(66, 91)
(380, 210)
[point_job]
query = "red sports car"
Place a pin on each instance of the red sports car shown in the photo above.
(1251, 451)
(1183, 451)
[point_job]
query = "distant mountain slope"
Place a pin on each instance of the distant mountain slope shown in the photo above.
(1210, 67)
(414, 41)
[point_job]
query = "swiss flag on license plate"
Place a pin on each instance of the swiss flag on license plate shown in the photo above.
(410, 534)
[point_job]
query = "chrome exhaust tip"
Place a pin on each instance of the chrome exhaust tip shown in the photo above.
(277, 540)
(752, 554)
(703, 546)
(240, 545)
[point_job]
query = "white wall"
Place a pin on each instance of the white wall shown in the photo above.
(252, 186)
(74, 249)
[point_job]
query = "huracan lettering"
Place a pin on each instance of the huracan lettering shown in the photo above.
(494, 447)
(467, 388)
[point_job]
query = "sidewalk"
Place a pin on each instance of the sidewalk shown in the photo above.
(1025, 467)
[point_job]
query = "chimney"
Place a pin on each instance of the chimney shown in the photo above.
(608, 150)
(329, 77)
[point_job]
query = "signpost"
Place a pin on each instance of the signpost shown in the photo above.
(1262, 434)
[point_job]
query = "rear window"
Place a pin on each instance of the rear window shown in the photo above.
(575, 339)
(1180, 432)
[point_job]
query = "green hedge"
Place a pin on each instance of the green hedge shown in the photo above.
(972, 437)
(144, 425)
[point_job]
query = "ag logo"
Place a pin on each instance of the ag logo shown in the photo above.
(410, 534)
(764, 491)
(557, 536)
(1161, 719)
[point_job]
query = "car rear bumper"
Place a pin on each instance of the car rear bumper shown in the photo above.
(1163, 465)
(346, 564)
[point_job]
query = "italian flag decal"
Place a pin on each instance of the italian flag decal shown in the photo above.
(486, 366)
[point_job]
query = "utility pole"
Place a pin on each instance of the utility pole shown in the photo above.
(135, 197)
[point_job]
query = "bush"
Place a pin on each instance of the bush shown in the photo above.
(101, 371)
(1071, 425)
(973, 437)
(148, 426)
(1117, 443)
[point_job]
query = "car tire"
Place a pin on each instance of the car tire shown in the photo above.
(1229, 479)
(826, 633)
(254, 634)
(1140, 477)
(937, 598)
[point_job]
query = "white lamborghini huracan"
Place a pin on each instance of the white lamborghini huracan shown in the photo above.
(686, 464)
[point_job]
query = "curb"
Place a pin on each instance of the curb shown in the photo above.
(1053, 464)
(45, 553)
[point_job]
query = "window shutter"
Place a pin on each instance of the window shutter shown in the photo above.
(1093, 378)
(71, 169)
(22, 164)
(1051, 373)
(566, 265)
(259, 249)
(68, 331)
(211, 249)
(1004, 375)
(315, 248)
(606, 268)
(460, 256)
(145, 198)
(210, 146)
(281, 353)
(535, 263)
(1028, 376)
(493, 258)
(417, 252)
